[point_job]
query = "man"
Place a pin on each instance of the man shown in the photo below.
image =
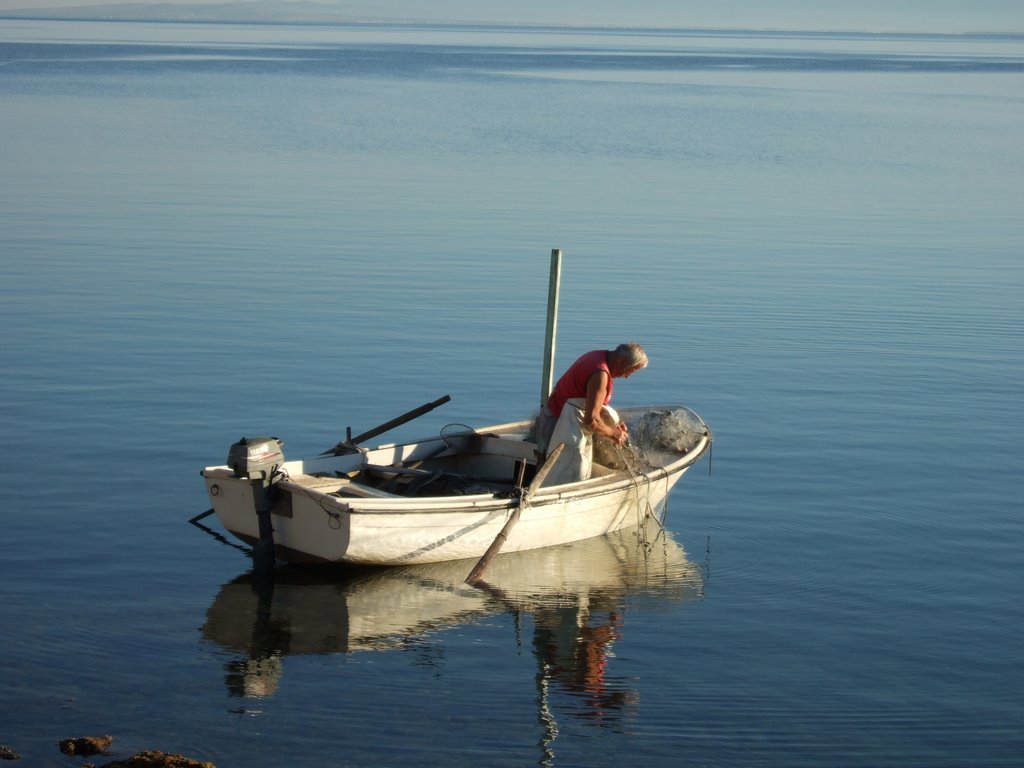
(578, 408)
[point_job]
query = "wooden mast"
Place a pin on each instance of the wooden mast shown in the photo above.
(554, 283)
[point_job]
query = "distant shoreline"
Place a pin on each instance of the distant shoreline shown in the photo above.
(35, 15)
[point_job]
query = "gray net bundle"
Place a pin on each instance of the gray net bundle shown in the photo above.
(655, 438)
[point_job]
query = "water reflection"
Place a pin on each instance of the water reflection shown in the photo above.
(576, 596)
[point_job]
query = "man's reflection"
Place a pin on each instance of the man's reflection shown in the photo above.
(573, 645)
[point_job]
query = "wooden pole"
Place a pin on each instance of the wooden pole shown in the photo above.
(524, 501)
(554, 283)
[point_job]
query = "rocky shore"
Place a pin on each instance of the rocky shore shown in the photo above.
(91, 746)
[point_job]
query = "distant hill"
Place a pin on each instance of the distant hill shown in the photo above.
(268, 11)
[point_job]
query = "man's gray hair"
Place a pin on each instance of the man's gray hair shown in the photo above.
(633, 354)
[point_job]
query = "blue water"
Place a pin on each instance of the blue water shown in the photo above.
(209, 230)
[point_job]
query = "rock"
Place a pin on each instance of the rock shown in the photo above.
(154, 759)
(6, 753)
(86, 745)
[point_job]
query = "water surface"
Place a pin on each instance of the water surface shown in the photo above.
(211, 230)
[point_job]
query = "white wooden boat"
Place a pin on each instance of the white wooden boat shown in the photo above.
(444, 497)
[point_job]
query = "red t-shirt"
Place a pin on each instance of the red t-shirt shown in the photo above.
(574, 381)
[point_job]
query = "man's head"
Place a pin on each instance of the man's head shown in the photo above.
(626, 359)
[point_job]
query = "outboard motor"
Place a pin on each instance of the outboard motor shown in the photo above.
(257, 459)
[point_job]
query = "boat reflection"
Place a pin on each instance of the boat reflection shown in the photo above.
(576, 595)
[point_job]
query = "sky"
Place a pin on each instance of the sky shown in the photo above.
(866, 15)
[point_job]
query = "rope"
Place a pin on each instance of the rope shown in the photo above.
(631, 456)
(333, 517)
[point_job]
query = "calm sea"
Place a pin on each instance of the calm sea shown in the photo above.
(209, 231)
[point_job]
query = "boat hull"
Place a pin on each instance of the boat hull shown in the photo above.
(319, 525)
(322, 530)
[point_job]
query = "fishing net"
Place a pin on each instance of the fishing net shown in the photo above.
(656, 438)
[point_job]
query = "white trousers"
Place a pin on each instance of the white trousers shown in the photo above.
(577, 457)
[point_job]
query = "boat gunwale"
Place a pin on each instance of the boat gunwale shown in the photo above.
(592, 487)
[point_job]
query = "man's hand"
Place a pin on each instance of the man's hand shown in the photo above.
(621, 436)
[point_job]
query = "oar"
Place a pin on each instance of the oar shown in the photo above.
(524, 500)
(346, 445)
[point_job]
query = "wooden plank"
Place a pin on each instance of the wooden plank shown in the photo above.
(340, 485)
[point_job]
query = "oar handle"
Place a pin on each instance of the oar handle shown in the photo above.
(544, 471)
(345, 445)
